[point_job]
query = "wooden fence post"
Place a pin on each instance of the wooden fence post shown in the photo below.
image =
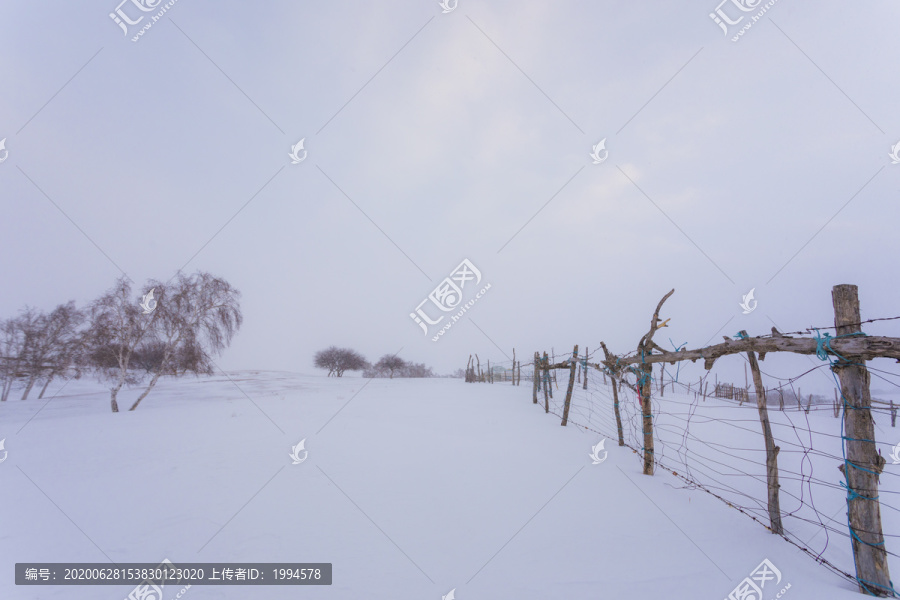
(536, 378)
(565, 417)
(615, 391)
(862, 463)
(662, 381)
(771, 449)
(893, 414)
(646, 347)
(553, 361)
(514, 367)
(547, 364)
(585, 368)
(545, 376)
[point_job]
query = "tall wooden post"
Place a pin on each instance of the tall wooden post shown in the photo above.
(771, 449)
(553, 374)
(545, 375)
(862, 463)
(536, 378)
(646, 416)
(615, 390)
(565, 417)
(646, 347)
(585, 368)
(662, 381)
(514, 367)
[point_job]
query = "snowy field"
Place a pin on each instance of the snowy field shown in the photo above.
(411, 489)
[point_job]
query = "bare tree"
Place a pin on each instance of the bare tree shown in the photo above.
(31, 322)
(197, 317)
(412, 369)
(406, 369)
(12, 347)
(118, 327)
(337, 360)
(53, 341)
(390, 363)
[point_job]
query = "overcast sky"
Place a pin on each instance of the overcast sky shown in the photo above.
(434, 137)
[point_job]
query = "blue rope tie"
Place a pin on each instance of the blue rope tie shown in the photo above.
(677, 349)
(824, 351)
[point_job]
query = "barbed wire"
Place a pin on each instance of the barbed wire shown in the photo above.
(710, 444)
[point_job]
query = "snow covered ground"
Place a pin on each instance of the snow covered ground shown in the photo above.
(412, 488)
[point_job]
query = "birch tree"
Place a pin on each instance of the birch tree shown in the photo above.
(12, 345)
(53, 341)
(118, 326)
(196, 318)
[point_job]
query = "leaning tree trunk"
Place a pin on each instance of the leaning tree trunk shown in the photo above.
(28, 387)
(46, 384)
(148, 389)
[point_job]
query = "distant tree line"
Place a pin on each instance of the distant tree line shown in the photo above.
(171, 328)
(338, 360)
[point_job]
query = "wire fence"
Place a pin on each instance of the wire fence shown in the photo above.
(716, 445)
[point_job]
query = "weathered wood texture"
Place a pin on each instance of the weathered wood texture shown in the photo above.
(574, 363)
(865, 348)
(863, 463)
(772, 450)
(546, 377)
(644, 348)
(615, 391)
